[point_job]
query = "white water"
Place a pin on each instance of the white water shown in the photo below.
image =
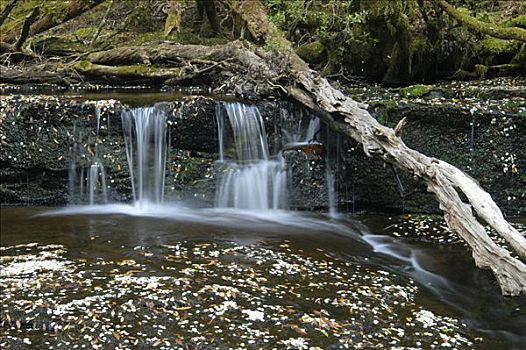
(145, 134)
(330, 180)
(88, 183)
(251, 179)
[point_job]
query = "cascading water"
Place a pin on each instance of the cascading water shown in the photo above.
(252, 179)
(87, 183)
(145, 134)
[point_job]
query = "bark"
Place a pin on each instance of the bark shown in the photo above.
(34, 75)
(173, 18)
(50, 20)
(209, 8)
(490, 29)
(284, 70)
(443, 179)
(7, 10)
(179, 55)
(350, 118)
(131, 73)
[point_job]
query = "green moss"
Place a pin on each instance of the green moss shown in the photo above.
(56, 45)
(84, 33)
(19, 12)
(83, 65)
(519, 21)
(415, 91)
(480, 70)
(183, 37)
(189, 38)
(383, 109)
(494, 46)
(136, 69)
(312, 53)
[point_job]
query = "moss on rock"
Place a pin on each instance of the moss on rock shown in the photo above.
(415, 91)
(314, 52)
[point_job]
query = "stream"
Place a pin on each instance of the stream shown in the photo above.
(214, 224)
(169, 276)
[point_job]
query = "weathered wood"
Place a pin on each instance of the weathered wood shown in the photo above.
(50, 20)
(129, 72)
(179, 54)
(34, 75)
(286, 71)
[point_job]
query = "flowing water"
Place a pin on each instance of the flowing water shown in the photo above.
(252, 179)
(88, 180)
(172, 276)
(245, 274)
(145, 133)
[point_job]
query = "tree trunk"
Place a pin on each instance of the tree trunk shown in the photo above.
(26, 26)
(209, 7)
(348, 117)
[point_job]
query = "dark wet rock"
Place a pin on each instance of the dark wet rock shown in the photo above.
(41, 135)
(307, 182)
(194, 125)
(471, 126)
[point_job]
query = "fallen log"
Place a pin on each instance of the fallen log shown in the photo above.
(348, 117)
(444, 180)
(34, 75)
(284, 71)
(133, 72)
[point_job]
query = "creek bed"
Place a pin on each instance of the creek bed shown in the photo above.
(205, 279)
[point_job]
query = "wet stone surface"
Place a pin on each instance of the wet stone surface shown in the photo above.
(477, 126)
(212, 295)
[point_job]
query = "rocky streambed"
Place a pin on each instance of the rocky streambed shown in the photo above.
(288, 282)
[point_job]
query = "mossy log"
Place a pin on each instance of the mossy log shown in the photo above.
(490, 29)
(51, 19)
(127, 73)
(283, 70)
(172, 64)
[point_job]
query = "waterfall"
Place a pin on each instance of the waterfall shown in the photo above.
(87, 182)
(145, 134)
(312, 130)
(251, 179)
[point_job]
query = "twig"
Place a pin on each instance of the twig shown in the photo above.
(102, 23)
(25, 28)
(7, 11)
